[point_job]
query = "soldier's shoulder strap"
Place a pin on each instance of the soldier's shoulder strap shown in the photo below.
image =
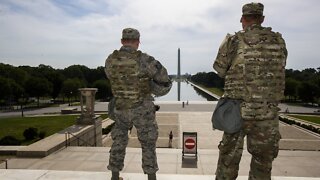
(227, 40)
(138, 54)
(115, 52)
(239, 34)
(280, 38)
(113, 55)
(233, 41)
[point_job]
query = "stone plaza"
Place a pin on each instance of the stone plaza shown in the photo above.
(298, 158)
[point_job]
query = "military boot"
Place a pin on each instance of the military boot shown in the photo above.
(152, 177)
(115, 176)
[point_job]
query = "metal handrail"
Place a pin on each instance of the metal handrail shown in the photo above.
(67, 135)
(6, 162)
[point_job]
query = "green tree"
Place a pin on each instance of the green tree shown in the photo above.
(38, 87)
(57, 80)
(309, 83)
(70, 87)
(307, 91)
(104, 89)
(5, 90)
(18, 75)
(95, 74)
(317, 82)
(291, 88)
(210, 79)
(75, 71)
(89, 76)
(10, 90)
(53, 76)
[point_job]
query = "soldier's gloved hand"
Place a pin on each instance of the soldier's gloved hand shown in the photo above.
(156, 107)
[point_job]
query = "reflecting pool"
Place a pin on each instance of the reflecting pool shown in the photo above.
(183, 91)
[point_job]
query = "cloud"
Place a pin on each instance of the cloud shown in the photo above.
(61, 33)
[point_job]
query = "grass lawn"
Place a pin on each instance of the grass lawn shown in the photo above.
(216, 91)
(104, 116)
(314, 119)
(15, 126)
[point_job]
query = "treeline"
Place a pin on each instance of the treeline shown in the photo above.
(22, 82)
(303, 86)
(210, 79)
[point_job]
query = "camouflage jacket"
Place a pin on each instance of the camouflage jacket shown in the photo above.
(253, 65)
(135, 77)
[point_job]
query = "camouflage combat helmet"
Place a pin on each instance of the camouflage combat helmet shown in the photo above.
(252, 9)
(130, 33)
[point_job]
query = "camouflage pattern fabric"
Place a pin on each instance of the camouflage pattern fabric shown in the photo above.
(111, 107)
(252, 9)
(135, 77)
(130, 33)
(143, 118)
(262, 143)
(129, 85)
(253, 65)
(160, 84)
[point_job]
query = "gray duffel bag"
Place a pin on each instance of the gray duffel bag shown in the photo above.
(226, 116)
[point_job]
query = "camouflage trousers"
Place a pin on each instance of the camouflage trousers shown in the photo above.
(262, 143)
(143, 118)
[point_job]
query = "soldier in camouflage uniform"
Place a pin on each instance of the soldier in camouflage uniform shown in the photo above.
(135, 78)
(253, 64)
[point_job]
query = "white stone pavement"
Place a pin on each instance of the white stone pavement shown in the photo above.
(166, 106)
(91, 162)
(71, 175)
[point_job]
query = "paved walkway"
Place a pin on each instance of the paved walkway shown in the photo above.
(298, 159)
(72, 175)
(166, 106)
(91, 162)
(293, 137)
(94, 159)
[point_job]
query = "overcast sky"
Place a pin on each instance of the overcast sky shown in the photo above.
(61, 33)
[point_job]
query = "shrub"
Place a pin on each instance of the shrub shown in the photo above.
(308, 127)
(9, 140)
(30, 133)
(42, 134)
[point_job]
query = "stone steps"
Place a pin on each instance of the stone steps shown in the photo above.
(20, 174)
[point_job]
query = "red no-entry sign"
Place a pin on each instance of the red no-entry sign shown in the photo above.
(189, 143)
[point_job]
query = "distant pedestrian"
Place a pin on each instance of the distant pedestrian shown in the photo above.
(170, 139)
(183, 104)
(287, 110)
